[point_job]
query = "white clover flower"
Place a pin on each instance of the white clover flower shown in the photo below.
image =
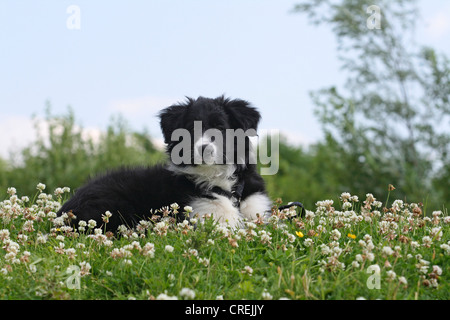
(187, 293)
(426, 241)
(291, 238)
(203, 261)
(187, 209)
(40, 187)
(165, 296)
(92, 224)
(85, 268)
(436, 213)
(335, 234)
(171, 277)
(273, 219)
(391, 275)
(414, 244)
(446, 248)
(397, 204)
(169, 248)
(4, 234)
(193, 252)
(12, 191)
(127, 262)
(345, 196)
(247, 270)
(309, 215)
(71, 253)
(265, 236)
(387, 251)
(346, 205)
(148, 250)
(437, 270)
(308, 242)
(266, 295)
(370, 256)
(32, 268)
(58, 222)
(41, 239)
(436, 233)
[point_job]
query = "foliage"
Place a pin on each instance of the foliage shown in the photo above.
(66, 155)
(333, 252)
(390, 121)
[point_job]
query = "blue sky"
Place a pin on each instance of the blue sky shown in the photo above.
(136, 57)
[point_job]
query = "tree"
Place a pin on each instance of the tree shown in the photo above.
(391, 118)
(66, 157)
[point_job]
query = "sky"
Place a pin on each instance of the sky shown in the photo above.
(137, 57)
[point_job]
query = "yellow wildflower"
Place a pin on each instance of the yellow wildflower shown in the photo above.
(299, 234)
(351, 236)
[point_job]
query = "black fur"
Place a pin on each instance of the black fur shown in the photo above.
(130, 194)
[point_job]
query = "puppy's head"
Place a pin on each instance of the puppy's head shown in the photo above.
(208, 131)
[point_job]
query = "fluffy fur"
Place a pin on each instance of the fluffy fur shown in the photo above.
(134, 194)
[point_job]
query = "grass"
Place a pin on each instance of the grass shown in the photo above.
(334, 252)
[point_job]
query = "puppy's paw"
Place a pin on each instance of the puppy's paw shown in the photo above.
(257, 203)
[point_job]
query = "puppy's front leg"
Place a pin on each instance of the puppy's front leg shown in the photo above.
(221, 209)
(257, 203)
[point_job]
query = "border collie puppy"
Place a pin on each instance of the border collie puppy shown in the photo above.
(208, 169)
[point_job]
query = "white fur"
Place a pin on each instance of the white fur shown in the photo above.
(209, 176)
(221, 209)
(256, 203)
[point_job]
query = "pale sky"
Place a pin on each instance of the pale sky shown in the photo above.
(137, 57)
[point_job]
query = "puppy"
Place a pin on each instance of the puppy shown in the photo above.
(211, 168)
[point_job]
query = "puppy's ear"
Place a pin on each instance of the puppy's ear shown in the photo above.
(170, 119)
(241, 114)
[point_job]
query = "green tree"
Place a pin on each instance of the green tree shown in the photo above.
(66, 156)
(389, 122)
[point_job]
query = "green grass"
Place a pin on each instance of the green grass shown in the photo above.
(289, 257)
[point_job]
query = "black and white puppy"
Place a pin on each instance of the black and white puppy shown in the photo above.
(208, 169)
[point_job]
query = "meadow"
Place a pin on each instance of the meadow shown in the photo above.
(354, 249)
